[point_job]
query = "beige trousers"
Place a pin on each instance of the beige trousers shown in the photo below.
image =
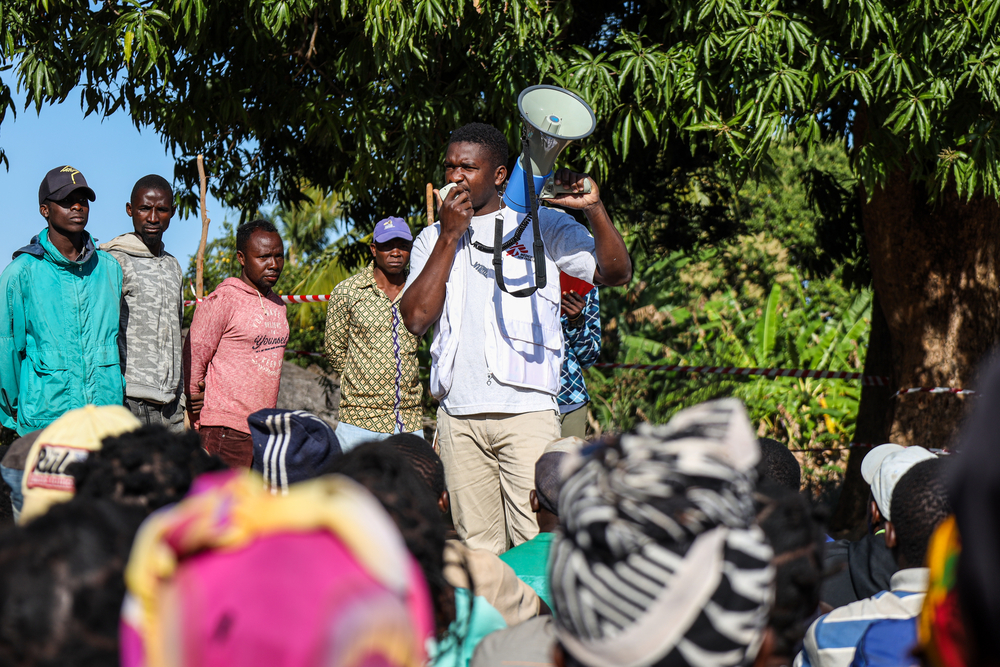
(489, 464)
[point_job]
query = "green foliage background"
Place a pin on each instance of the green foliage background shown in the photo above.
(738, 276)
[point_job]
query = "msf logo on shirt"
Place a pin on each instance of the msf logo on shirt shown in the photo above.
(518, 251)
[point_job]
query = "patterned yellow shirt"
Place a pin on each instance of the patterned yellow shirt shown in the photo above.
(376, 357)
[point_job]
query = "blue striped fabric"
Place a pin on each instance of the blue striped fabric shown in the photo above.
(832, 639)
(583, 345)
(888, 643)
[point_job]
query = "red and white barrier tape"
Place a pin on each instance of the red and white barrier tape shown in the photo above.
(935, 390)
(287, 298)
(872, 380)
(939, 452)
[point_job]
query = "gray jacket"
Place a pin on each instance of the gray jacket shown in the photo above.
(149, 340)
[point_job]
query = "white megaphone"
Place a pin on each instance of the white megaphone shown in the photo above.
(553, 118)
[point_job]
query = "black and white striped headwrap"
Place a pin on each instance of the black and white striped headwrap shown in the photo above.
(657, 560)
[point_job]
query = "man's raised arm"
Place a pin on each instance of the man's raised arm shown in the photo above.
(423, 300)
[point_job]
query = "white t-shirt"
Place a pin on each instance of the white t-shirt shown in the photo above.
(475, 390)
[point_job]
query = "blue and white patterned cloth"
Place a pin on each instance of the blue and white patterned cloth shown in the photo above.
(832, 639)
(583, 345)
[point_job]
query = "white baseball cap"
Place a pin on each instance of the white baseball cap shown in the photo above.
(885, 465)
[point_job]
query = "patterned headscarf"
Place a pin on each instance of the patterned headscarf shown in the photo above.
(657, 559)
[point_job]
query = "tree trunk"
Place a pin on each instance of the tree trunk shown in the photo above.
(872, 428)
(934, 270)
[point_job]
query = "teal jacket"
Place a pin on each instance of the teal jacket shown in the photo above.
(58, 334)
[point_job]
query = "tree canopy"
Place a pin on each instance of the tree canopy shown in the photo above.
(358, 97)
(354, 97)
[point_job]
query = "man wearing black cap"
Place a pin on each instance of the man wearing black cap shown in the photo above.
(59, 308)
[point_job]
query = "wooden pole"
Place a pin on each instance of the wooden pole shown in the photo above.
(430, 203)
(200, 274)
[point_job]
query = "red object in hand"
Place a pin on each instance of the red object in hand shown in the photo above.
(568, 283)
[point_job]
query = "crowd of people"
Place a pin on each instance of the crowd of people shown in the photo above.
(169, 513)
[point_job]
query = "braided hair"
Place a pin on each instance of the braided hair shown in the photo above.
(62, 585)
(389, 476)
(778, 465)
(919, 504)
(794, 529)
(423, 458)
(148, 468)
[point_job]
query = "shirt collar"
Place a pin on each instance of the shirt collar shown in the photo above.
(912, 579)
(369, 276)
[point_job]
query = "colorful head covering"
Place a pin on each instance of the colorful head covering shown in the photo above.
(67, 440)
(941, 634)
(657, 556)
(234, 575)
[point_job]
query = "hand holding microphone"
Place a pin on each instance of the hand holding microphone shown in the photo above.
(455, 210)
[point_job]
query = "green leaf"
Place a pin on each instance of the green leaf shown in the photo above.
(129, 36)
(770, 325)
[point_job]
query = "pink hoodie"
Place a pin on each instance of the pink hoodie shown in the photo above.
(236, 345)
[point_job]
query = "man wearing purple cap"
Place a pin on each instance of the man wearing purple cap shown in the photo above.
(370, 347)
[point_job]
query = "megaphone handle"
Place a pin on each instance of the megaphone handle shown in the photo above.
(550, 189)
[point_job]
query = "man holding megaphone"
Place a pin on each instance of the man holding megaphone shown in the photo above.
(496, 358)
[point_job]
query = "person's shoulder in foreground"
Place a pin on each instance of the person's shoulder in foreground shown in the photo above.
(888, 643)
(832, 639)
(919, 503)
(529, 643)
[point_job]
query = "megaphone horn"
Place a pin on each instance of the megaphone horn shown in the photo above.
(553, 118)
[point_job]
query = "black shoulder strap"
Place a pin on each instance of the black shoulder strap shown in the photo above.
(536, 228)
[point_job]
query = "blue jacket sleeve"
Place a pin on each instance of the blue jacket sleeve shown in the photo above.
(12, 346)
(585, 341)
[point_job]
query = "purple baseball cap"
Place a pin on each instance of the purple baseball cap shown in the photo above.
(392, 228)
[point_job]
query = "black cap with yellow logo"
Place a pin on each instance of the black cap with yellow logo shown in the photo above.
(61, 181)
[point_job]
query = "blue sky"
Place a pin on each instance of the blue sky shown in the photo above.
(112, 154)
